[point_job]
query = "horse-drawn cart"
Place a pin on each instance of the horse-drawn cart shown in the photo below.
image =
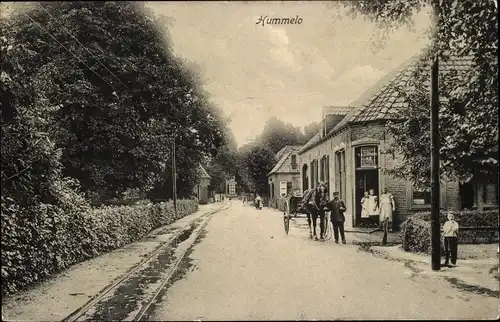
(292, 207)
(294, 204)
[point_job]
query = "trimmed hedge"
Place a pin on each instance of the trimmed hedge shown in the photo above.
(417, 229)
(36, 247)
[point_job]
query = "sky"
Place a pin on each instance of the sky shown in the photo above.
(254, 71)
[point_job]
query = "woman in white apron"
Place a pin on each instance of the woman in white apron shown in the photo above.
(387, 207)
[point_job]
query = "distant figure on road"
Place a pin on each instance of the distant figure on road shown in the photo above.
(450, 234)
(337, 217)
(258, 202)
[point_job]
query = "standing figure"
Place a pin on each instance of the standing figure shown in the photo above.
(450, 234)
(365, 201)
(373, 209)
(258, 202)
(337, 217)
(387, 207)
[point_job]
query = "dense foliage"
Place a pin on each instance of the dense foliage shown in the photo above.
(34, 248)
(468, 97)
(92, 98)
(117, 94)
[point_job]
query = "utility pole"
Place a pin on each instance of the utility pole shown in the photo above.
(174, 175)
(434, 125)
(435, 188)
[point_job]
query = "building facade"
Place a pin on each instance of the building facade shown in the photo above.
(285, 176)
(203, 187)
(349, 155)
(231, 187)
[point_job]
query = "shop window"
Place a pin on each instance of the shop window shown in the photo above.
(366, 157)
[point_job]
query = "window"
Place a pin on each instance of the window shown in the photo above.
(314, 173)
(294, 161)
(340, 173)
(232, 189)
(283, 188)
(327, 171)
(366, 157)
(421, 197)
(322, 169)
(288, 187)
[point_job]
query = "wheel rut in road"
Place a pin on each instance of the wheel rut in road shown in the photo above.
(133, 297)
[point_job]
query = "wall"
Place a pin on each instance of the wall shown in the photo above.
(276, 178)
(373, 134)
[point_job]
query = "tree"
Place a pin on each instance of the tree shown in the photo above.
(469, 135)
(121, 94)
(258, 162)
(276, 134)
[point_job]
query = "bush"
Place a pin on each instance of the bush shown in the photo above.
(417, 229)
(40, 241)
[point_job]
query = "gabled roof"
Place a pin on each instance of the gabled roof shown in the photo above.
(386, 102)
(383, 101)
(284, 164)
(315, 139)
(203, 172)
(286, 149)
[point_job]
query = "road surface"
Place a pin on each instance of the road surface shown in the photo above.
(245, 268)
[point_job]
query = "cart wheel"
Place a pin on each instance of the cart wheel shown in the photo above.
(286, 220)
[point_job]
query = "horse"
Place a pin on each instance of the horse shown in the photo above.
(312, 212)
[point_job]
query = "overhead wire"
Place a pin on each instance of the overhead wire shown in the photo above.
(88, 50)
(65, 48)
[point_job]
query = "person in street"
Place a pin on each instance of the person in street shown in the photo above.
(258, 202)
(337, 217)
(387, 207)
(450, 234)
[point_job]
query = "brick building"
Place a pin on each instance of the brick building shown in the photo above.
(348, 153)
(285, 175)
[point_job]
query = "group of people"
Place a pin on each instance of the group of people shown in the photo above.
(372, 206)
(317, 202)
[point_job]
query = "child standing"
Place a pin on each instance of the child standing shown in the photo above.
(364, 205)
(450, 234)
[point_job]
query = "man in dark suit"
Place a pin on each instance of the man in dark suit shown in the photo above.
(337, 209)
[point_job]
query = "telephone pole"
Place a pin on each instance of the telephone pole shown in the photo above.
(174, 175)
(435, 188)
(434, 125)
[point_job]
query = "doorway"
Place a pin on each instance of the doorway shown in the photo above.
(365, 180)
(467, 196)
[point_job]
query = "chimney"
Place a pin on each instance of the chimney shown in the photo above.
(332, 115)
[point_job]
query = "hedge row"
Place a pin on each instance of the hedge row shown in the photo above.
(36, 247)
(417, 229)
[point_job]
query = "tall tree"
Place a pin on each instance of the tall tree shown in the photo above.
(258, 162)
(121, 94)
(465, 28)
